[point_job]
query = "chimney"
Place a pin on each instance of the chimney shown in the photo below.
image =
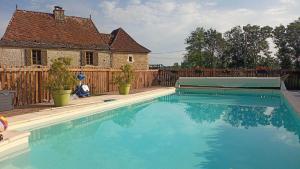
(59, 13)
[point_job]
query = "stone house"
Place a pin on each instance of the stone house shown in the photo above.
(35, 38)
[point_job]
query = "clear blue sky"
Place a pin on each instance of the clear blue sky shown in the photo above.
(163, 25)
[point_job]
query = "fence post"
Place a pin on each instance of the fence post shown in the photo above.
(158, 77)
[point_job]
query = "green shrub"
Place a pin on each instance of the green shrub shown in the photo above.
(125, 77)
(60, 78)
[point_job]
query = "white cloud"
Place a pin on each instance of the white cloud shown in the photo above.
(288, 2)
(276, 11)
(135, 1)
(35, 4)
(211, 3)
(163, 25)
(286, 137)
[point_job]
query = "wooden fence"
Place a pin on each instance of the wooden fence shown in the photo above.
(28, 82)
(168, 77)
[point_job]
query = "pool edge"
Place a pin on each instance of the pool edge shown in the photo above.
(43, 119)
(292, 101)
(14, 141)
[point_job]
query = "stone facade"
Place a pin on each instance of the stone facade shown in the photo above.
(16, 57)
(11, 56)
(104, 60)
(103, 57)
(139, 61)
(53, 54)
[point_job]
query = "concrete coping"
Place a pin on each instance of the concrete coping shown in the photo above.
(48, 117)
(293, 98)
(13, 141)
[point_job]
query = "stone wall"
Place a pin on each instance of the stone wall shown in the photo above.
(54, 53)
(104, 59)
(12, 56)
(16, 57)
(140, 61)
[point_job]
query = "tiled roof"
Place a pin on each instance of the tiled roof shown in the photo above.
(29, 44)
(123, 42)
(28, 27)
(42, 30)
(106, 38)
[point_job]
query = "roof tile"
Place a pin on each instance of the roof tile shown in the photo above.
(28, 26)
(123, 42)
(38, 29)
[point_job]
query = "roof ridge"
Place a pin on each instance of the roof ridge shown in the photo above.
(133, 39)
(116, 32)
(71, 16)
(24, 10)
(99, 34)
(114, 38)
(104, 33)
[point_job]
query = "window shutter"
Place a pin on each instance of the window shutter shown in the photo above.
(28, 57)
(82, 58)
(95, 59)
(44, 57)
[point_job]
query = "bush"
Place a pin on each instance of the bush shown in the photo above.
(60, 78)
(126, 76)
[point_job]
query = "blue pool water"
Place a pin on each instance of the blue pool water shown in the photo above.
(180, 131)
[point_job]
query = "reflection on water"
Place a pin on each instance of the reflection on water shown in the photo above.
(239, 112)
(124, 117)
(249, 145)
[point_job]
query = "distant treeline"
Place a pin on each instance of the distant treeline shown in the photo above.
(244, 47)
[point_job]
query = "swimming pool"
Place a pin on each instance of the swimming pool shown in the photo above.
(185, 130)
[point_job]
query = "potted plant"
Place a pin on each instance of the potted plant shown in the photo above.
(124, 79)
(60, 81)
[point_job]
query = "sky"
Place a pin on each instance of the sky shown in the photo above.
(163, 25)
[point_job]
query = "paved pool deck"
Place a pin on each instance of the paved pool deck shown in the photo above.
(293, 98)
(49, 105)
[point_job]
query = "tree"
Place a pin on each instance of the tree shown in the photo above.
(285, 52)
(205, 48)
(195, 43)
(256, 44)
(293, 39)
(248, 45)
(235, 47)
(214, 47)
(244, 47)
(176, 65)
(269, 61)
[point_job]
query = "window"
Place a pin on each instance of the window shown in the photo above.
(130, 59)
(89, 58)
(36, 57)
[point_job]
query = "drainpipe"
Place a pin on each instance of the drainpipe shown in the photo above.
(111, 57)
